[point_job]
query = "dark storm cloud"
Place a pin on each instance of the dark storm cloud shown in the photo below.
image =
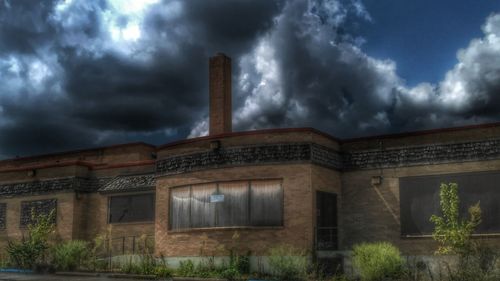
(85, 73)
(71, 83)
(23, 25)
(315, 74)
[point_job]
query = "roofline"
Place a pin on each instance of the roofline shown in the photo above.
(60, 153)
(249, 133)
(259, 132)
(423, 132)
(89, 165)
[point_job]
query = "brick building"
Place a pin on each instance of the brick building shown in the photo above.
(295, 186)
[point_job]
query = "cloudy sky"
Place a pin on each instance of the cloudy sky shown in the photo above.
(85, 73)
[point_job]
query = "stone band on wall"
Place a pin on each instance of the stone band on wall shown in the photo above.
(250, 155)
(423, 155)
(317, 154)
(3, 215)
(38, 207)
(47, 186)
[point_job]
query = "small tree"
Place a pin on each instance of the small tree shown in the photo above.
(31, 250)
(452, 232)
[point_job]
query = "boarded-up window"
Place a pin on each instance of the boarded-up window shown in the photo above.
(33, 209)
(419, 200)
(202, 211)
(180, 199)
(234, 210)
(132, 208)
(265, 198)
(227, 204)
(3, 215)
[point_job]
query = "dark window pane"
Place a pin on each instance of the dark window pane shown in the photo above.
(266, 203)
(233, 211)
(36, 208)
(419, 199)
(3, 215)
(132, 208)
(202, 210)
(179, 207)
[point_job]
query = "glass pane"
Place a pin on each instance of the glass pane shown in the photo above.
(132, 208)
(39, 207)
(234, 210)
(266, 203)
(202, 210)
(179, 208)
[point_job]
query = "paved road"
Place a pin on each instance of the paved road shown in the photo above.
(32, 277)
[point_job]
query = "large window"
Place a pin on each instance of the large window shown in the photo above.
(227, 204)
(419, 199)
(132, 208)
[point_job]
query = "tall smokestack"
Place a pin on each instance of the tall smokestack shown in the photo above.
(220, 94)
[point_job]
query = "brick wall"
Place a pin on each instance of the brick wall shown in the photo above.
(298, 214)
(366, 217)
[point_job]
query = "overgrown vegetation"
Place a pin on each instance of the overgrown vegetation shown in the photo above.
(452, 232)
(288, 263)
(377, 261)
(476, 261)
(71, 255)
(33, 247)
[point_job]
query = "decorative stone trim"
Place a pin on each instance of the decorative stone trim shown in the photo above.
(38, 207)
(54, 185)
(423, 155)
(3, 215)
(250, 155)
(130, 183)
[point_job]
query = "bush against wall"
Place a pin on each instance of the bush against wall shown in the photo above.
(376, 261)
(288, 263)
(32, 249)
(71, 255)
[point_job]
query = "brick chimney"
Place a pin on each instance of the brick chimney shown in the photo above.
(220, 94)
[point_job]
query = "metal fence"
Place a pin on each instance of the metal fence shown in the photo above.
(326, 238)
(129, 245)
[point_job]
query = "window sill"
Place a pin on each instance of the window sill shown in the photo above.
(131, 223)
(188, 230)
(427, 236)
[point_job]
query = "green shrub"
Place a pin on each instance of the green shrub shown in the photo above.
(230, 273)
(71, 255)
(162, 271)
(288, 263)
(186, 269)
(376, 261)
(147, 265)
(32, 248)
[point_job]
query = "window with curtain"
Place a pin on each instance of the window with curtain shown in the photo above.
(132, 208)
(227, 204)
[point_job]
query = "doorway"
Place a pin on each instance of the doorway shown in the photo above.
(326, 221)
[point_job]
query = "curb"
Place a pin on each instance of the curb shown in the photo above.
(83, 274)
(132, 276)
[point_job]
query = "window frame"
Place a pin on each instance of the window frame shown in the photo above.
(108, 214)
(404, 235)
(22, 203)
(3, 206)
(248, 220)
